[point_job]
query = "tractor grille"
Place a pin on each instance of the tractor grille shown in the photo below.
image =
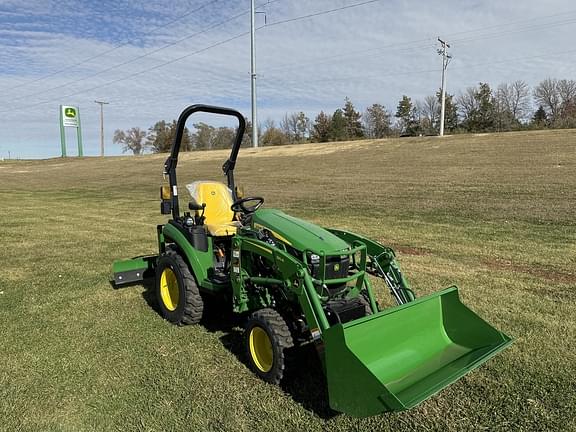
(336, 267)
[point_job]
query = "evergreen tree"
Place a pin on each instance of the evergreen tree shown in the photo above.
(302, 127)
(321, 130)
(406, 115)
(377, 121)
(160, 137)
(338, 126)
(353, 126)
(485, 107)
(540, 118)
(477, 105)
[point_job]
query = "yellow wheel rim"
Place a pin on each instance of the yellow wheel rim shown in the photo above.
(261, 349)
(169, 292)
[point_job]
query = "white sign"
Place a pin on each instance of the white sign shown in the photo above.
(69, 116)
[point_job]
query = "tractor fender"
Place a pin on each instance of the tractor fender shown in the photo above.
(198, 261)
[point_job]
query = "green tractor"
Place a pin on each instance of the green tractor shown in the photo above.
(297, 283)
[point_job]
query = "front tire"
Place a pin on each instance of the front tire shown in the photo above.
(178, 296)
(266, 339)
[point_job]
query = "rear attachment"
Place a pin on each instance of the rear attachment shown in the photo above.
(397, 358)
(133, 270)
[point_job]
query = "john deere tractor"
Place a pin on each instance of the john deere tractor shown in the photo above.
(297, 283)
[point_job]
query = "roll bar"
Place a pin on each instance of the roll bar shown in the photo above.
(228, 167)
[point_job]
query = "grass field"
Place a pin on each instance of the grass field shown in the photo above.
(495, 214)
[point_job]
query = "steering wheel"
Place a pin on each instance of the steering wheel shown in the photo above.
(239, 205)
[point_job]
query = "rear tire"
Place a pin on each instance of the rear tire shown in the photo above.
(178, 296)
(366, 303)
(266, 339)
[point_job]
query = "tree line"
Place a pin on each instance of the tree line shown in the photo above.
(508, 107)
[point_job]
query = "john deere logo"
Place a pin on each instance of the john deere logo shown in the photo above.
(336, 267)
(70, 116)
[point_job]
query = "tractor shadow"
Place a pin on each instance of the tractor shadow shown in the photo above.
(304, 378)
(305, 381)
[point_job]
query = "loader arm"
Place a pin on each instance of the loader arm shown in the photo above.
(382, 263)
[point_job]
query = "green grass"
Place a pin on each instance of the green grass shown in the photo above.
(495, 214)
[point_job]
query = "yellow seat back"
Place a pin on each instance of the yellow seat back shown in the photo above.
(217, 198)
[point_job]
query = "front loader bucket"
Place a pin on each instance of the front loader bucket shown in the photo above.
(397, 358)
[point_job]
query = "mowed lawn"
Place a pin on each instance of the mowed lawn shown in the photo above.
(495, 214)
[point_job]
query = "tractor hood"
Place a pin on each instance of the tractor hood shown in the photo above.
(298, 233)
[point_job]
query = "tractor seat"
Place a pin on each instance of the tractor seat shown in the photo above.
(219, 218)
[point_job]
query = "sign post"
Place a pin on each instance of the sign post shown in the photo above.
(70, 117)
(62, 134)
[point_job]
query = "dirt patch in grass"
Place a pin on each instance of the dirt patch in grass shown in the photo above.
(539, 271)
(412, 250)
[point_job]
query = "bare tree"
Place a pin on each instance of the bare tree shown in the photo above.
(296, 126)
(272, 136)
(131, 140)
(546, 94)
(514, 99)
(557, 97)
(567, 93)
(467, 103)
(430, 109)
(566, 90)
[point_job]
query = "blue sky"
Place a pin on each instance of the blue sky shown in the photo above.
(151, 59)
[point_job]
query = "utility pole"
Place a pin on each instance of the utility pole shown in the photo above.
(101, 125)
(445, 60)
(253, 72)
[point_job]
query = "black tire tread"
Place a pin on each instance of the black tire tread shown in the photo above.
(281, 337)
(193, 303)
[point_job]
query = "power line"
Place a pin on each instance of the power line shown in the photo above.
(186, 55)
(108, 51)
(242, 34)
(175, 95)
(163, 96)
(356, 55)
(392, 47)
(132, 60)
(513, 23)
(516, 59)
(312, 15)
(131, 75)
(189, 37)
(417, 72)
(516, 31)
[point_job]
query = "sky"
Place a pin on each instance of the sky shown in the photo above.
(150, 60)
